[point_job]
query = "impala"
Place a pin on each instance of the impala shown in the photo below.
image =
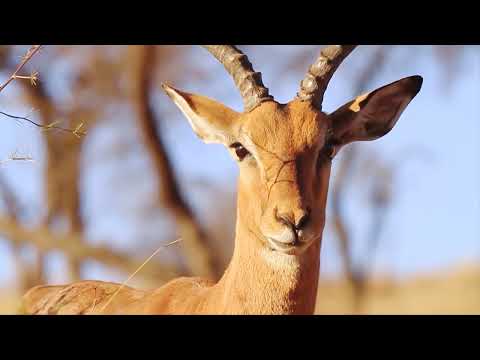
(284, 152)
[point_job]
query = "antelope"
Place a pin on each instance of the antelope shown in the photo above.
(284, 153)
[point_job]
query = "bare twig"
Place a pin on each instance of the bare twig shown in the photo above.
(17, 157)
(26, 58)
(77, 132)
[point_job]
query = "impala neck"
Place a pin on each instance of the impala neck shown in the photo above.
(259, 281)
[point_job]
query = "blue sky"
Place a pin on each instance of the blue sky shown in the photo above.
(434, 220)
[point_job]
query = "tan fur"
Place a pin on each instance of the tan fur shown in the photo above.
(286, 176)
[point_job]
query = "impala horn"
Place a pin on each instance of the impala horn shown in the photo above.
(248, 81)
(313, 86)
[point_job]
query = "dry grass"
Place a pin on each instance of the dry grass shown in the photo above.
(9, 303)
(456, 291)
(453, 291)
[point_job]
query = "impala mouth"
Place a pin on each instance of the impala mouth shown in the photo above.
(290, 248)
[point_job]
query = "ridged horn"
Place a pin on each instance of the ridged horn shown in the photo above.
(248, 82)
(313, 86)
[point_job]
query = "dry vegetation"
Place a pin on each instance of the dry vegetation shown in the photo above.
(452, 291)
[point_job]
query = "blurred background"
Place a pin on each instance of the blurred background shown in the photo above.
(113, 172)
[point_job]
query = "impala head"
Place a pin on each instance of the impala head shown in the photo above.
(284, 151)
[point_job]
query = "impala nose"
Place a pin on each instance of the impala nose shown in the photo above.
(303, 221)
(296, 221)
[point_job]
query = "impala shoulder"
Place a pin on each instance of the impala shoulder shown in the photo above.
(34, 301)
(79, 298)
(185, 295)
(185, 284)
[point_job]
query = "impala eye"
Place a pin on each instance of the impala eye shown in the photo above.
(240, 150)
(330, 151)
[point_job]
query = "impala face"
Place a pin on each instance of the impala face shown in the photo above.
(284, 155)
(284, 151)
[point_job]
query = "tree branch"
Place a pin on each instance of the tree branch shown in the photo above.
(74, 247)
(26, 58)
(198, 252)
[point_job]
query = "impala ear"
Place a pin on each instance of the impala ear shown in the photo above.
(373, 115)
(212, 121)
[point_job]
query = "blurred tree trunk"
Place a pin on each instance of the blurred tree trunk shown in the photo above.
(24, 273)
(199, 254)
(61, 173)
(356, 276)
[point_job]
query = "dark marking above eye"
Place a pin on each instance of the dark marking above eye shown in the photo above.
(240, 150)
